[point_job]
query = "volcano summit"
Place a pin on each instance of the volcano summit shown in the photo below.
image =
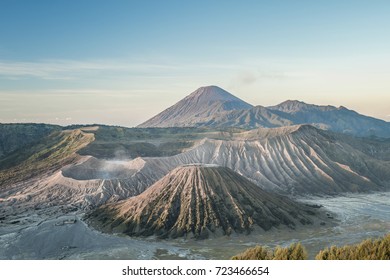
(199, 107)
(196, 201)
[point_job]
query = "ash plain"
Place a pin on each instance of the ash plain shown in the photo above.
(43, 234)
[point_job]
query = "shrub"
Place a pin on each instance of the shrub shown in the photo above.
(294, 252)
(378, 249)
(368, 249)
(256, 253)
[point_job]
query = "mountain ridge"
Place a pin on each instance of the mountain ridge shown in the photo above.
(220, 109)
(295, 160)
(296, 105)
(292, 160)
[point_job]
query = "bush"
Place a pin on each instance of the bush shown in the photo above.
(378, 249)
(368, 249)
(294, 252)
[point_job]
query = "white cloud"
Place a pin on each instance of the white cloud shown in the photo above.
(44, 70)
(100, 91)
(71, 69)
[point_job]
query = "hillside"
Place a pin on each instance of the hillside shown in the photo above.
(90, 166)
(339, 119)
(17, 136)
(196, 201)
(295, 160)
(50, 154)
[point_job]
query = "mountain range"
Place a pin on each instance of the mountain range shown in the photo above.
(70, 168)
(214, 107)
(210, 164)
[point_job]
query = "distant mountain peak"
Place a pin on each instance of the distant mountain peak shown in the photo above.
(213, 93)
(199, 107)
(293, 102)
(293, 106)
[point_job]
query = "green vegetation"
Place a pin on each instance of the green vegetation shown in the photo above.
(17, 136)
(294, 252)
(255, 253)
(27, 150)
(121, 142)
(50, 154)
(378, 249)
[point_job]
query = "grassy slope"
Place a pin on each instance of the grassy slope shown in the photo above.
(43, 148)
(120, 142)
(17, 136)
(50, 154)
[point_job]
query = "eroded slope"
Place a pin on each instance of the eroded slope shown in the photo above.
(198, 200)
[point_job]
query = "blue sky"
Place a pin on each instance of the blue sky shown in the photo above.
(120, 62)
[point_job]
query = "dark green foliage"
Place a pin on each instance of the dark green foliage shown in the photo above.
(17, 136)
(120, 142)
(50, 154)
(368, 249)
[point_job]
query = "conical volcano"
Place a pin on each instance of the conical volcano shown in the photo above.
(198, 108)
(197, 200)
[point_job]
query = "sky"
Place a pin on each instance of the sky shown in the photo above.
(122, 62)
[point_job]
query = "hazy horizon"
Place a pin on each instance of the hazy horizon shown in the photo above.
(120, 63)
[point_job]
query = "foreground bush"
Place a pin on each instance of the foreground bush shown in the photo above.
(294, 252)
(369, 249)
(378, 249)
